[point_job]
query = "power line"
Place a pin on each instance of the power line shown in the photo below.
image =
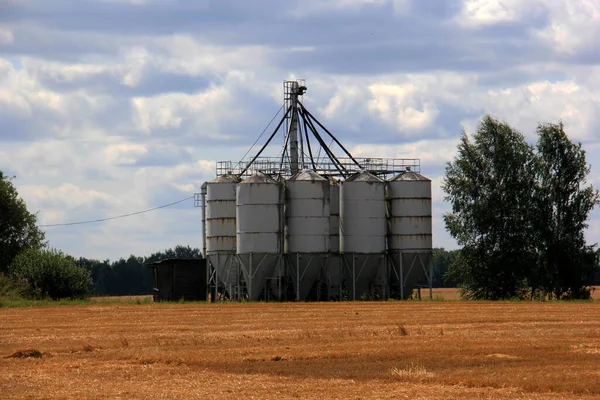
(118, 216)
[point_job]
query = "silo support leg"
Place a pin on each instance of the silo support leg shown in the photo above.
(297, 276)
(354, 277)
(362, 267)
(217, 280)
(341, 273)
(428, 270)
(401, 275)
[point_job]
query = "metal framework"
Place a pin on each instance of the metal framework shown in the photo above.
(272, 166)
(305, 147)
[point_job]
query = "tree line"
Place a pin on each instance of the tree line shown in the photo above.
(129, 276)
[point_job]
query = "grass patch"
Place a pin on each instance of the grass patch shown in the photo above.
(21, 303)
(412, 371)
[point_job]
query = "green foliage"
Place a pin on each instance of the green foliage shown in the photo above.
(441, 262)
(519, 214)
(9, 289)
(49, 274)
(563, 203)
(490, 187)
(18, 230)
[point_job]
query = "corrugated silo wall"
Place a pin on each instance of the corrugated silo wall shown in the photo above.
(221, 231)
(259, 236)
(334, 271)
(410, 230)
(363, 231)
(307, 221)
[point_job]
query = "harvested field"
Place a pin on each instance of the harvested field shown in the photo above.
(417, 350)
(452, 294)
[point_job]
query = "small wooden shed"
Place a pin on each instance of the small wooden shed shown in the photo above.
(179, 278)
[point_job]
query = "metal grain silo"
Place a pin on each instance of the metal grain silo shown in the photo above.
(259, 238)
(333, 272)
(362, 229)
(221, 229)
(308, 240)
(410, 238)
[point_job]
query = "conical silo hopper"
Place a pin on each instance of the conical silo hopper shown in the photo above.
(258, 231)
(410, 238)
(362, 230)
(221, 229)
(307, 219)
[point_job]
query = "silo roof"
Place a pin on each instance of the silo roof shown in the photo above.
(307, 175)
(364, 176)
(227, 178)
(259, 178)
(409, 176)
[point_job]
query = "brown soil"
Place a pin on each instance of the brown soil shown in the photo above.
(416, 350)
(30, 353)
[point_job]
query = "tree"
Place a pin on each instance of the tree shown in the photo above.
(441, 261)
(563, 203)
(520, 214)
(490, 187)
(178, 252)
(49, 274)
(130, 276)
(18, 230)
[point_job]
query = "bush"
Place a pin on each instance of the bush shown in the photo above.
(8, 289)
(49, 274)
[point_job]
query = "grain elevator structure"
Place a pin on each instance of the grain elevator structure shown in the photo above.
(314, 222)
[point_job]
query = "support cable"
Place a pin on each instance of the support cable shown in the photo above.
(331, 135)
(261, 134)
(331, 156)
(312, 159)
(266, 144)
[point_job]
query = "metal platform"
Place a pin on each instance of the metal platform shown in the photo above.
(273, 166)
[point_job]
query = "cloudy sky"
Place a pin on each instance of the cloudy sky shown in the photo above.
(114, 106)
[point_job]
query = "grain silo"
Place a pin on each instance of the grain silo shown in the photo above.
(333, 272)
(362, 230)
(221, 231)
(259, 234)
(313, 218)
(307, 221)
(410, 236)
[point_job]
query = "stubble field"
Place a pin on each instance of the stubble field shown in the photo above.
(417, 350)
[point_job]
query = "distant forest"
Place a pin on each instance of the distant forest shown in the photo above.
(129, 276)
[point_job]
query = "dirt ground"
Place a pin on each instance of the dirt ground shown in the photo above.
(415, 350)
(452, 294)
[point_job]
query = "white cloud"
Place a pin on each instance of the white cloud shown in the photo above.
(398, 107)
(574, 25)
(101, 117)
(490, 12)
(570, 26)
(197, 57)
(526, 106)
(402, 7)
(316, 6)
(6, 36)
(203, 112)
(432, 153)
